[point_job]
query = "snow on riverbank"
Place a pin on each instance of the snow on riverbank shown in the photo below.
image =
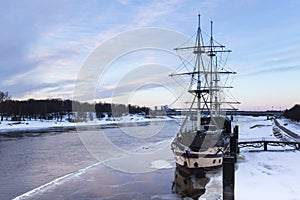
(260, 175)
(289, 124)
(34, 125)
(9, 126)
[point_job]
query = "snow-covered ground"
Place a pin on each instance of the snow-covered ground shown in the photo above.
(261, 175)
(268, 175)
(289, 124)
(31, 125)
(9, 126)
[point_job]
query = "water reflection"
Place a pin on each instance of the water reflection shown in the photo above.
(189, 183)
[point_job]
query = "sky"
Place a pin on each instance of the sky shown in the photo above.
(47, 48)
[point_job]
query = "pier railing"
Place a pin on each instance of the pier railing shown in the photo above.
(265, 142)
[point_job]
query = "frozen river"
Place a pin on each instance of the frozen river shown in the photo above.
(39, 162)
(135, 162)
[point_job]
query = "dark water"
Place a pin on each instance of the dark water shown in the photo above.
(28, 162)
(31, 161)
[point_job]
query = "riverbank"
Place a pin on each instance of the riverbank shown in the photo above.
(14, 128)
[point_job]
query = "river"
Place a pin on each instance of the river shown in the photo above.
(134, 162)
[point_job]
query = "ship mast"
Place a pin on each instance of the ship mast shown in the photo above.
(198, 61)
(211, 55)
(207, 93)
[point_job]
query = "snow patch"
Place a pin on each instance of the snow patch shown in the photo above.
(161, 164)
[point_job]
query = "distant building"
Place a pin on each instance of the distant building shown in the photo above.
(165, 108)
(293, 113)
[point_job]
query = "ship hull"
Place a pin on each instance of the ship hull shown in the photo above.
(212, 157)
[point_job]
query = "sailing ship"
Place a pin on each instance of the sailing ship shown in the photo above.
(203, 136)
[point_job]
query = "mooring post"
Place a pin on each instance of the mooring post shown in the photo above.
(233, 146)
(236, 134)
(228, 177)
(233, 143)
(265, 146)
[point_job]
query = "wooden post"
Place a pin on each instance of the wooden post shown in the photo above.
(228, 178)
(236, 134)
(265, 146)
(234, 142)
(233, 145)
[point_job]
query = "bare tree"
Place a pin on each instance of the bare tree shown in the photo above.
(4, 96)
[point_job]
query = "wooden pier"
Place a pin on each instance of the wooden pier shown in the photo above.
(265, 143)
(294, 140)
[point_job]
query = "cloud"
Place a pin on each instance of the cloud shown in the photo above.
(37, 48)
(276, 60)
(22, 25)
(43, 45)
(32, 89)
(49, 40)
(284, 69)
(149, 13)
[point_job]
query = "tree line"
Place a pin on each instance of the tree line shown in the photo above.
(293, 113)
(57, 109)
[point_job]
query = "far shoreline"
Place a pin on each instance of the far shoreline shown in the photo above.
(37, 127)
